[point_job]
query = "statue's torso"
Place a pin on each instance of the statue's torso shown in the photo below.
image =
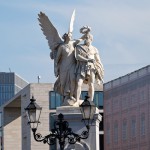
(90, 51)
(67, 57)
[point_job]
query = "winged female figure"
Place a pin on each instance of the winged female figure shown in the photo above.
(63, 53)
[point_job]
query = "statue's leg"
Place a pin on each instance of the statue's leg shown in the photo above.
(78, 89)
(72, 87)
(91, 85)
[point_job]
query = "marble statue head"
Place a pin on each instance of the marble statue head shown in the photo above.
(67, 36)
(88, 39)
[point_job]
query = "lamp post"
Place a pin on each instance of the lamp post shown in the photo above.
(61, 130)
(33, 112)
(88, 109)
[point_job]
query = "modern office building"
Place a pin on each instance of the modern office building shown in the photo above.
(10, 84)
(127, 111)
(15, 130)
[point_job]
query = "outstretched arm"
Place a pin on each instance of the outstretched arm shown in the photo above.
(79, 40)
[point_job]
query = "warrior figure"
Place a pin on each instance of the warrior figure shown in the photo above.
(89, 66)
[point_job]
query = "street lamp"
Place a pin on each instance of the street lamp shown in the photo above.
(33, 112)
(88, 109)
(61, 129)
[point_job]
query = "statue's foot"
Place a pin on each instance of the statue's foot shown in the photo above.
(69, 101)
(78, 103)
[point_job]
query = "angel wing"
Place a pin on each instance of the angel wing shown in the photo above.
(49, 31)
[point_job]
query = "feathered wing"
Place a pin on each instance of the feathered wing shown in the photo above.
(49, 31)
(54, 40)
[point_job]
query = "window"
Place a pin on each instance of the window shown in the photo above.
(83, 94)
(116, 132)
(142, 124)
(133, 127)
(124, 130)
(55, 100)
(107, 107)
(142, 96)
(124, 103)
(52, 120)
(98, 98)
(108, 134)
(115, 104)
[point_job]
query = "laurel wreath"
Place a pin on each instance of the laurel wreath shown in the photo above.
(85, 29)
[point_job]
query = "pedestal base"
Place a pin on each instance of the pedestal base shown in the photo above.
(74, 117)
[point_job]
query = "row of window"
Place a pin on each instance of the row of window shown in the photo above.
(6, 96)
(125, 129)
(6, 88)
(9, 89)
(126, 102)
(7, 78)
(56, 99)
(132, 86)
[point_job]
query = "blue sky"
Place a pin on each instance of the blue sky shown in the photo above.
(121, 32)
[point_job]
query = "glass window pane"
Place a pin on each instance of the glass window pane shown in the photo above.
(52, 100)
(52, 120)
(100, 99)
(116, 132)
(58, 100)
(83, 94)
(142, 124)
(133, 128)
(96, 99)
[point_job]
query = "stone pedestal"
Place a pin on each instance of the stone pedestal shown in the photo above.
(74, 117)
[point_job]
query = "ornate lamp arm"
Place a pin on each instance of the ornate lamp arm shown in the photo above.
(61, 132)
(49, 139)
(73, 137)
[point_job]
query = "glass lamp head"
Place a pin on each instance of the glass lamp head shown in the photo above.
(33, 112)
(87, 109)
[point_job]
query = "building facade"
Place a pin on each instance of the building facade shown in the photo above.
(10, 84)
(127, 111)
(17, 133)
